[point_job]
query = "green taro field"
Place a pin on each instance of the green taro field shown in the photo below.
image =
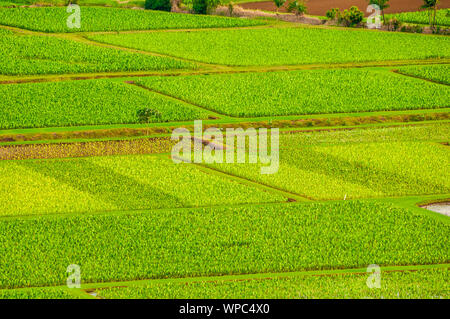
(127, 152)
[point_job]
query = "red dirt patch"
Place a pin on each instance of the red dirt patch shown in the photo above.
(320, 7)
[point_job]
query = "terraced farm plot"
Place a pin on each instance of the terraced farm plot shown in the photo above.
(303, 92)
(437, 73)
(29, 54)
(437, 132)
(36, 293)
(217, 241)
(110, 19)
(156, 145)
(358, 170)
(423, 17)
(426, 284)
(115, 183)
(86, 103)
(285, 46)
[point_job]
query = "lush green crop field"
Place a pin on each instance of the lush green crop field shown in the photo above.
(297, 92)
(27, 54)
(437, 73)
(85, 102)
(114, 183)
(109, 19)
(87, 177)
(423, 17)
(215, 241)
(285, 46)
(422, 284)
(356, 170)
(425, 132)
(36, 293)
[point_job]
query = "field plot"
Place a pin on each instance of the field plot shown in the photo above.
(436, 73)
(404, 285)
(296, 92)
(284, 46)
(86, 102)
(218, 241)
(437, 132)
(115, 183)
(423, 17)
(336, 170)
(90, 176)
(86, 149)
(36, 293)
(29, 54)
(109, 19)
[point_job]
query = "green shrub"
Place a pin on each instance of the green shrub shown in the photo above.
(394, 24)
(333, 14)
(161, 5)
(353, 16)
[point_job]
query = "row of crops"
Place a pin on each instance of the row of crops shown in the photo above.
(357, 170)
(36, 293)
(423, 284)
(103, 102)
(423, 17)
(437, 132)
(87, 102)
(110, 19)
(297, 92)
(115, 183)
(217, 241)
(407, 284)
(85, 149)
(284, 46)
(437, 73)
(29, 54)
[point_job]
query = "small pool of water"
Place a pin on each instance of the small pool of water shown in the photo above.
(442, 208)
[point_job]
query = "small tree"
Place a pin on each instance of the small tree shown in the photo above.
(298, 7)
(148, 115)
(279, 4)
(353, 16)
(382, 4)
(431, 6)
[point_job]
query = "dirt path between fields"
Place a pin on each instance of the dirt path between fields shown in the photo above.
(320, 7)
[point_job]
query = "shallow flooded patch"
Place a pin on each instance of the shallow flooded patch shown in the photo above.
(442, 208)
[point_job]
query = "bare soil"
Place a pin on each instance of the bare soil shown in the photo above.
(320, 7)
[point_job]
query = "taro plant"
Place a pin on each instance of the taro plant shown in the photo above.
(298, 7)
